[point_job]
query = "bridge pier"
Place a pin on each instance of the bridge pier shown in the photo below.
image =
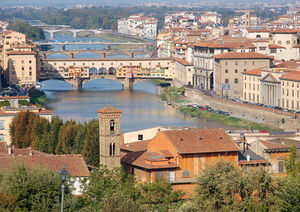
(128, 84)
(74, 34)
(62, 47)
(132, 55)
(76, 84)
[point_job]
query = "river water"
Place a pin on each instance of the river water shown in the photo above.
(142, 108)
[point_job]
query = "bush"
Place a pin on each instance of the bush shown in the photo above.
(4, 103)
(24, 102)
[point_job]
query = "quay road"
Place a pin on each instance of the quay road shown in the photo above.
(91, 42)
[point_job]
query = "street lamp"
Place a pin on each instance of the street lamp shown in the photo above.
(63, 175)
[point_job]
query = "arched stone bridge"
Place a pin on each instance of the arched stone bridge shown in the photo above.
(104, 69)
(74, 32)
(102, 53)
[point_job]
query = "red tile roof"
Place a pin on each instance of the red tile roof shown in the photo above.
(242, 55)
(140, 159)
(274, 46)
(288, 64)
(255, 72)
(200, 141)
(21, 53)
(74, 163)
(109, 109)
(182, 61)
(284, 31)
(14, 97)
(293, 76)
(271, 145)
(257, 30)
(135, 146)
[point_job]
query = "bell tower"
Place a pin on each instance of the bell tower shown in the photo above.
(109, 136)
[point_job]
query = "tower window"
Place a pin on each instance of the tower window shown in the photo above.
(112, 149)
(112, 126)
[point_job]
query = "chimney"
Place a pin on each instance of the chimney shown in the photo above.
(248, 157)
(9, 150)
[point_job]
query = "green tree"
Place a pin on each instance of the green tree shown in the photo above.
(90, 151)
(32, 190)
(4, 103)
(55, 126)
(291, 164)
(25, 28)
(66, 137)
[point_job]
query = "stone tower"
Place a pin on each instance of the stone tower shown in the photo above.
(247, 18)
(109, 136)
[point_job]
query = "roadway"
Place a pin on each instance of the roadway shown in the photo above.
(90, 42)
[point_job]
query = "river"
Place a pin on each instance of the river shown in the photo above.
(142, 108)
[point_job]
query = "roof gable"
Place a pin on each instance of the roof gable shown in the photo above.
(269, 78)
(109, 109)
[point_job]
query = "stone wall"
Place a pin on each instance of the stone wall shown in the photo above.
(259, 114)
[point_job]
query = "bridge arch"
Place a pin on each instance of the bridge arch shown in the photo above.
(67, 32)
(85, 53)
(112, 71)
(103, 71)
(117, 54)
(93, 70)
(63, 55)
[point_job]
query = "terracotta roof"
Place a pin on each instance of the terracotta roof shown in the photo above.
(135, 146)
(255, 72)
(293, 76)
(182, 61)
(242, 55)
(270, 145)
(202, 44)
(21, 53)
(288, 64)
(296, 46)
(109, 109)
(74, 163)
(144, 160)
(14, 97)
(200, 141)
(285, 31)
(274, 46)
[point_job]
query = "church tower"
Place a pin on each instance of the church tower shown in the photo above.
(247, 18)
(109, 136)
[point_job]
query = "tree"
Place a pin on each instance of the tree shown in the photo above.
(32, 190)
(55, 126)
(66, 137)
(90, 150)
(291, 164)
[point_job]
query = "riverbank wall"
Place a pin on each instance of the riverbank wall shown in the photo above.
(270, 117)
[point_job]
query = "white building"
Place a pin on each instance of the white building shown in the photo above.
(145, 27)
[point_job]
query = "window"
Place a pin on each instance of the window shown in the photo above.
(262, 48)
(279, 42)
(22, 68)
(245, 63)
(226, 71)
(30, 73)
(30, 68)
(112, 148)
(140, 137)
(22, 61)
(235, 71)
(280, 166)
(288, 42)
(148, 177)
(2, 124)
(185, 173)
(139, 175)
(29, 61)
(171, 176)
(112, 126)
(236, 63)
(273, 50)
(159, 175)
(226, 80)
(236, 81)
(257, 87)
(226, 63)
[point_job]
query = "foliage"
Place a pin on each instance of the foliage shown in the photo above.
(90, 150)
(24, 102)
(4, 103)
(37, 97)
(224, 187)
(31, 32)
(292, 165)
(32, 190)
(66, 138)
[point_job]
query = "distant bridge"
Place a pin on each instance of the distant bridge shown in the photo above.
(102, 53)
(105, 69)
(74, 32)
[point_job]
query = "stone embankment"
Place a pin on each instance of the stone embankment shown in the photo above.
(274, 118)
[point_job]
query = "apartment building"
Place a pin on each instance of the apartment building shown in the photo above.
(184, 72)
(228, 69)
(273, 86)
(22, 67)
(145, 27)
